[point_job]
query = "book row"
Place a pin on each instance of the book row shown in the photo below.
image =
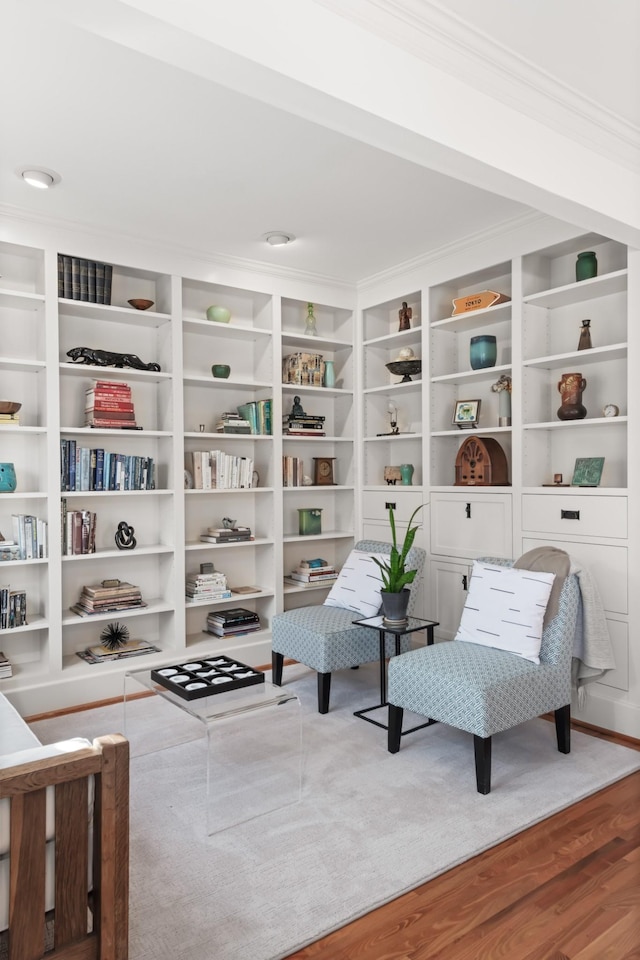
(80, 279)
(84, 468)
(30, 539)
(258, 413)
(78, 530)
(292, 472)
(217, 470)
(13, 608)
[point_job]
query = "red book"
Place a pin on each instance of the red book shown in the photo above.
(98, 413)
(110, 408)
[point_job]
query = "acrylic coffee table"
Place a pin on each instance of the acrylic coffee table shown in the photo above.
(252, 740)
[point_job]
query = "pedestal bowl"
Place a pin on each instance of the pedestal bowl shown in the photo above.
(404, 369)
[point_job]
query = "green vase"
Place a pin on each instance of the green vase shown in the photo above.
(586, 265)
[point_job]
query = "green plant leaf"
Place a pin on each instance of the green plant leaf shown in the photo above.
(395, 576)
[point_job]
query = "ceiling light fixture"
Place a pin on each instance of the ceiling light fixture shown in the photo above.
(40, 178)
(278, 238)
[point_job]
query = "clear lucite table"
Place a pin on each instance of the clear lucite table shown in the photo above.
(252, 739)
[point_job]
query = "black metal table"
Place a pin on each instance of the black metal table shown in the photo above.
(412, 625)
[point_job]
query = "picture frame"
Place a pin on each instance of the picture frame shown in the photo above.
(466, 413)
(587, 472)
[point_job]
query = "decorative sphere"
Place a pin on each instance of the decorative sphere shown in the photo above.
(218, 314)
(406, 354)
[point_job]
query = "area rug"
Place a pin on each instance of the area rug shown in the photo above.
(370, 825)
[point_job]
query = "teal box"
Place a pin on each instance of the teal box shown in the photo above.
(309, 521)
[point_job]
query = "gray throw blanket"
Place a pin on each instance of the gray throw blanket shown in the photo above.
(592, 651)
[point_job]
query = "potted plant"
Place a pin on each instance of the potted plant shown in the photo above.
(395, 576)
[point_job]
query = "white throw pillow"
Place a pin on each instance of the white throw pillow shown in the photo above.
(358, 585)
(505, 609)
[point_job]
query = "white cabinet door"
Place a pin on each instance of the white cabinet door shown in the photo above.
(448, 584)
(471, 524)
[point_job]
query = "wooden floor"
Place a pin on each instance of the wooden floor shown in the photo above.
(565, 889)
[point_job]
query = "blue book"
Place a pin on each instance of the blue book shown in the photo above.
(99, 480)
(72, 465)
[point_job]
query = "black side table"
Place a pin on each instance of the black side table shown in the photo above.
(412, 625)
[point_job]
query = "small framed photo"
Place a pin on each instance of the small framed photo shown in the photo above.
(587, 472)
(466, 413)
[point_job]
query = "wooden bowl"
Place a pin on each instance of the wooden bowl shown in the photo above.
(9, 406)
(141, 304)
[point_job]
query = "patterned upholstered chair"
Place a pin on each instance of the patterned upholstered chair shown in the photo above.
(325, 639)
(484, 690)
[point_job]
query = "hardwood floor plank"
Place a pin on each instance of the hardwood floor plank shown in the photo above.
(553, 892)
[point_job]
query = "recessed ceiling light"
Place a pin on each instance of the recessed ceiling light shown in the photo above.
(277, 238)
(39, 177)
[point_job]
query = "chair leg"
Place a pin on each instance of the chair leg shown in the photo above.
(482, 750)
(324, 689)
(277, 660)
(395, 728)
(563, 728)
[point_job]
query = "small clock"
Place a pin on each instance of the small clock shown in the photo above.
(323, 471)
(610, 410)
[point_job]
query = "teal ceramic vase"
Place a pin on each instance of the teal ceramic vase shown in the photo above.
(329, 374)
(8, 480)
(483, 351)
(406, 474)
(221, 370)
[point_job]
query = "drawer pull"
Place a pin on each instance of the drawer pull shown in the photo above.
(467, 510)
(569, 514)
(390, 506)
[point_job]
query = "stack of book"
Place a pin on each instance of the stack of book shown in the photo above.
(231, 623)
(78, 530)
(5, 667)
(13, 608)
(108, 404)
(80, 279)
(102, 654)
(227, 534)
(110, 596)
(304, 425)
(205, 587)
(292, 472)
(232, 422)
(312, 572)
(10, 419)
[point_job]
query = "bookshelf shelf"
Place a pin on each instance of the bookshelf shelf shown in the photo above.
(153, 607)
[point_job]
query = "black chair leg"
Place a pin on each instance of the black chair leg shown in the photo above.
(395, 728)
(324, 689)
(563, 728)
(482, 750)
(277, 661)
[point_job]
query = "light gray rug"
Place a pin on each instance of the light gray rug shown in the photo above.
(369, 827)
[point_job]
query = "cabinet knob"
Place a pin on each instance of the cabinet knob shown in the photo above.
(465, 582)
(569, 514)
(389, 506)
(467, 510)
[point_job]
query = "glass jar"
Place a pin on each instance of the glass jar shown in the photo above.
(483, 351)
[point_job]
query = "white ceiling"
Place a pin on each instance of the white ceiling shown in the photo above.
(159, 153)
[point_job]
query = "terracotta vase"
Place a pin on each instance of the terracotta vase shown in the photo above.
(571, 386)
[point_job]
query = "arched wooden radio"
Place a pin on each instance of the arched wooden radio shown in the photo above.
(480, 462)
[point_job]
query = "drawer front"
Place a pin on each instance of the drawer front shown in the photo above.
(471, 525)
(607, 565)
(375, 504)
(574, 515)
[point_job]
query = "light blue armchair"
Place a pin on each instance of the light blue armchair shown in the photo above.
(484, 690)
(325, 638)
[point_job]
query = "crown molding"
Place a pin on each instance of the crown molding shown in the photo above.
(427, 30)
(171, 250)
(457, 248)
